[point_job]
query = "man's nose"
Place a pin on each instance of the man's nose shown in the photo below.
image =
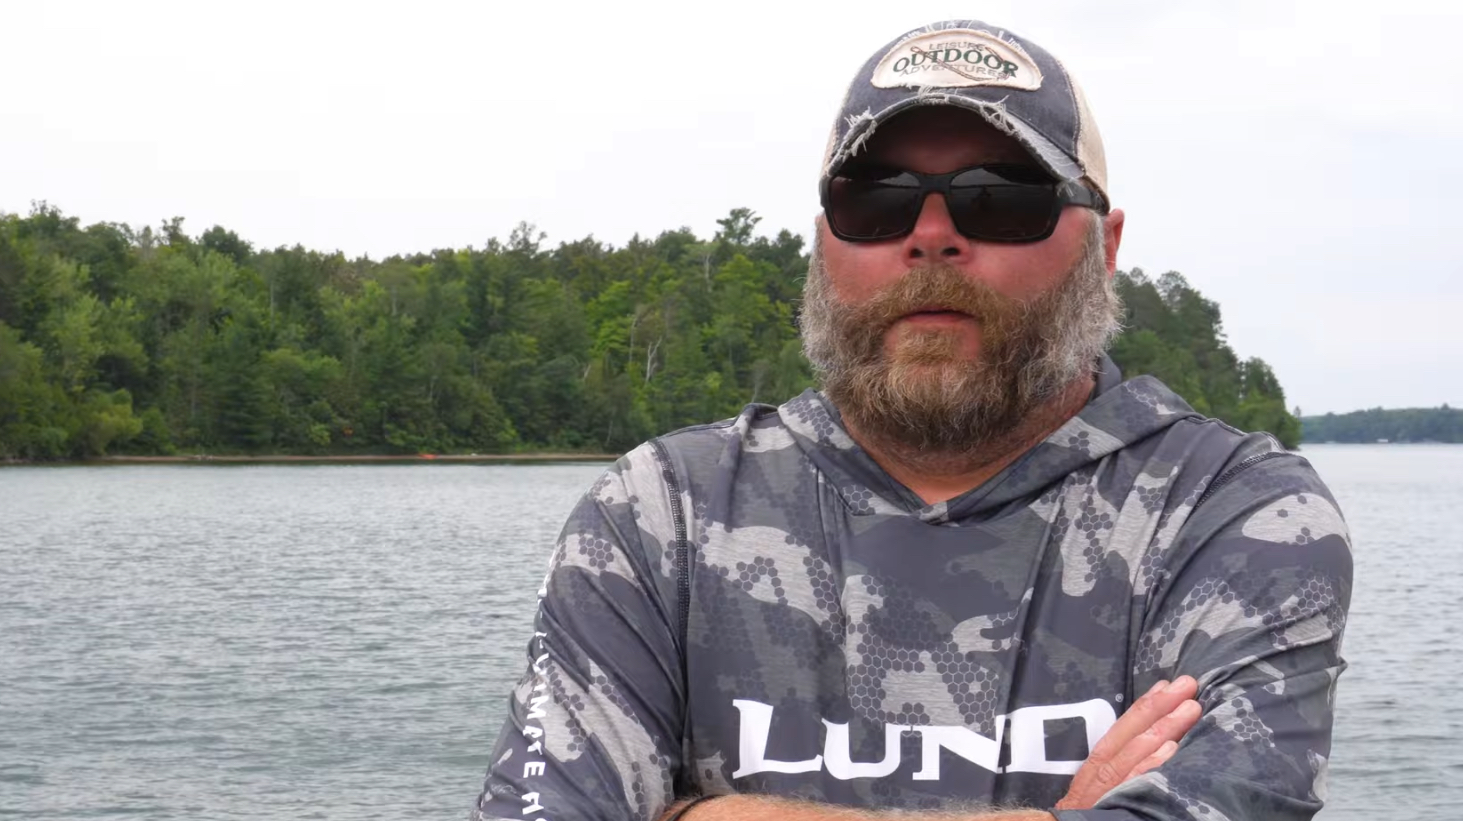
(934, 236)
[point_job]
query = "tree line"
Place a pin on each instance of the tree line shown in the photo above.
(116, 340)
(1443, 424)
(1173, 332)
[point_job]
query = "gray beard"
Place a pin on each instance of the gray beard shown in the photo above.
(924, 401)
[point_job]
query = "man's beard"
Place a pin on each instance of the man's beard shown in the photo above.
(919, 395)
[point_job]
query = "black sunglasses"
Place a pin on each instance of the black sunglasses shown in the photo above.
(866, 202)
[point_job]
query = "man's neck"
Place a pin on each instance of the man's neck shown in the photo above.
(941, 477)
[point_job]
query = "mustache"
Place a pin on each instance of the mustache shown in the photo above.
(939, 286)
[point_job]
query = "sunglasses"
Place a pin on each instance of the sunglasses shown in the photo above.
(866, 202)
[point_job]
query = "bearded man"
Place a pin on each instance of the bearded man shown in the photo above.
(978, 575)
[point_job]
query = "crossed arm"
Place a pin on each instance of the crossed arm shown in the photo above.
(1142, 739)
(1248, 623)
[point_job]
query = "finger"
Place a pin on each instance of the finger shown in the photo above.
(1170, 728)
(1103, 770)
(1158, 702)
(1183, 687)
(1154, 761)
(1181, 720)
(1102, 778)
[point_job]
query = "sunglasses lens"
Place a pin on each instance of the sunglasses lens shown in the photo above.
(872, 203)
(995, 203)
(1003, 206)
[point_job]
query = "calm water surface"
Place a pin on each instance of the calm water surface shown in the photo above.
(338, 641)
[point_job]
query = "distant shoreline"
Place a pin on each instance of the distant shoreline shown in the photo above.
(418, 458)
(346, 459)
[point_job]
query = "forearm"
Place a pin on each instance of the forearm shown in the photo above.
(768, 808)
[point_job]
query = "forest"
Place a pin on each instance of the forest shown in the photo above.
(1402, 425)
(115, 340)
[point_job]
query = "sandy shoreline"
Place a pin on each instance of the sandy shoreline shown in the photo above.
(455, 458)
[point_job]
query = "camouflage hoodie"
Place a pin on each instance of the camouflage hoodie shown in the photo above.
(755, 606)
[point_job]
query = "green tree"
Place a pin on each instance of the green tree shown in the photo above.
(150, 341)
(33, 411)
(1173, 332)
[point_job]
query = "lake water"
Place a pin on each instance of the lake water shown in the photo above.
(294, 642)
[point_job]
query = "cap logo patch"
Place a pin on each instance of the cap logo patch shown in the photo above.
(957, 58)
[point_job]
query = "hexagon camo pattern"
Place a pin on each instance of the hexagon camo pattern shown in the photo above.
(824, 593)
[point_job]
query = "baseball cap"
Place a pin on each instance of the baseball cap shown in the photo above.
(1014, 84)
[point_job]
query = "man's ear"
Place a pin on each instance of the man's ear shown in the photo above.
(1112, 235)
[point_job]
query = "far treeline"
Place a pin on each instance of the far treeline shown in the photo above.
(154, 342)
(1442, 424)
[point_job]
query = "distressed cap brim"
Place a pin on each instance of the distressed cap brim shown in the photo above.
(1041, 149)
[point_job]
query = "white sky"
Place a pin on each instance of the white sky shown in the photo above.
(1297, 161)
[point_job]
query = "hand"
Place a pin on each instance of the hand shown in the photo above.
(1143, 738)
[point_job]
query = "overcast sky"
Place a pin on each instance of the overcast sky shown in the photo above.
(1297, 161)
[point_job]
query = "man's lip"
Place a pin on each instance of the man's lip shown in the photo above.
(936, 310)
(936, 317)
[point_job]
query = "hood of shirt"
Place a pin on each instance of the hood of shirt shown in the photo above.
(1119, 413)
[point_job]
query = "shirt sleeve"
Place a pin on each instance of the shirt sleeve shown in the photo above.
(594, 726)
(1252, 603)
